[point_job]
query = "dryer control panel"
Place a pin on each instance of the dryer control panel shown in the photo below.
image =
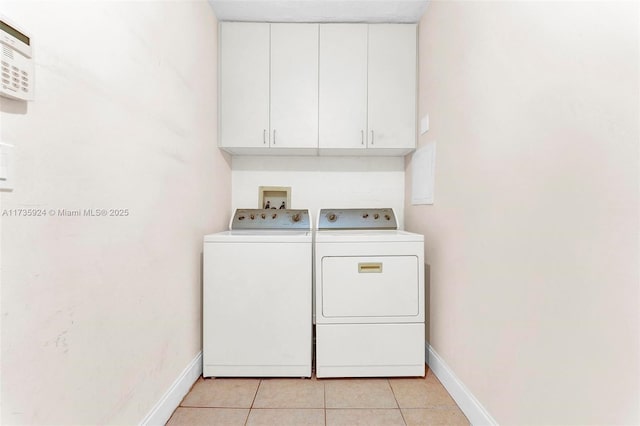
(375, 218)
(271, 219)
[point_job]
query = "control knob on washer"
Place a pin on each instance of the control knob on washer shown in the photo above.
(386, 216)
(263, 215)
(332, 217)
(253, 216)
(296, 217)
(376, 216)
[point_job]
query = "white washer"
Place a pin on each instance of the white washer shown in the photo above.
(369, 295)
(257, 296)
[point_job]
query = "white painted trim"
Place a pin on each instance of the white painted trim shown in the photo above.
(470, 406)
(161, 412)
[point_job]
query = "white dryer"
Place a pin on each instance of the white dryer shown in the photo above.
(257, 294)
(369, 295)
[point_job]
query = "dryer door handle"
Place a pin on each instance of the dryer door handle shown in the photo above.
(370, 268)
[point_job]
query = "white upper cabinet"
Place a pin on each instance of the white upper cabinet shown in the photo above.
(269, 88)
(367, 89)
(244, 87)
(392, 87)
(300, 89)
(294, 86)
(343, 87)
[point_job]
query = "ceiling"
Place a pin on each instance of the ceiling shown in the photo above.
(319, 10)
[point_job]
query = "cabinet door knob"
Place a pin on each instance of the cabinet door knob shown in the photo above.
(274, 136)
(264, 136)
(362, 137)
(372, 137)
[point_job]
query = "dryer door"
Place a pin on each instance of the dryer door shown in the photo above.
(357, 287)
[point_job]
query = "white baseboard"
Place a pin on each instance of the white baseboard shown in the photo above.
(161, 412)
(468, 403)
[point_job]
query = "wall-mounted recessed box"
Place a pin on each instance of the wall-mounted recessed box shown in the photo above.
(6, 167)
(274, 197)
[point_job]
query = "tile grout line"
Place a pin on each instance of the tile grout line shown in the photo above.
(324, 402)
(252, 402)
(397, 403)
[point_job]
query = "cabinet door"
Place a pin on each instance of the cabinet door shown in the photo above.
(343, 86)
(244, 88)
(294, 85)
(392, 86)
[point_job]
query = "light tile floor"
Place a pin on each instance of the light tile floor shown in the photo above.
(298, 402)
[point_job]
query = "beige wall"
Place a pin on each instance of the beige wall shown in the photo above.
(101, 314)
(533, 238)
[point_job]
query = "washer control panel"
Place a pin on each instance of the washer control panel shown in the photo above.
(271, 219)
(357, 219)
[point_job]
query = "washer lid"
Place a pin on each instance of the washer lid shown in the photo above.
(366, 236)
(259, 236)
